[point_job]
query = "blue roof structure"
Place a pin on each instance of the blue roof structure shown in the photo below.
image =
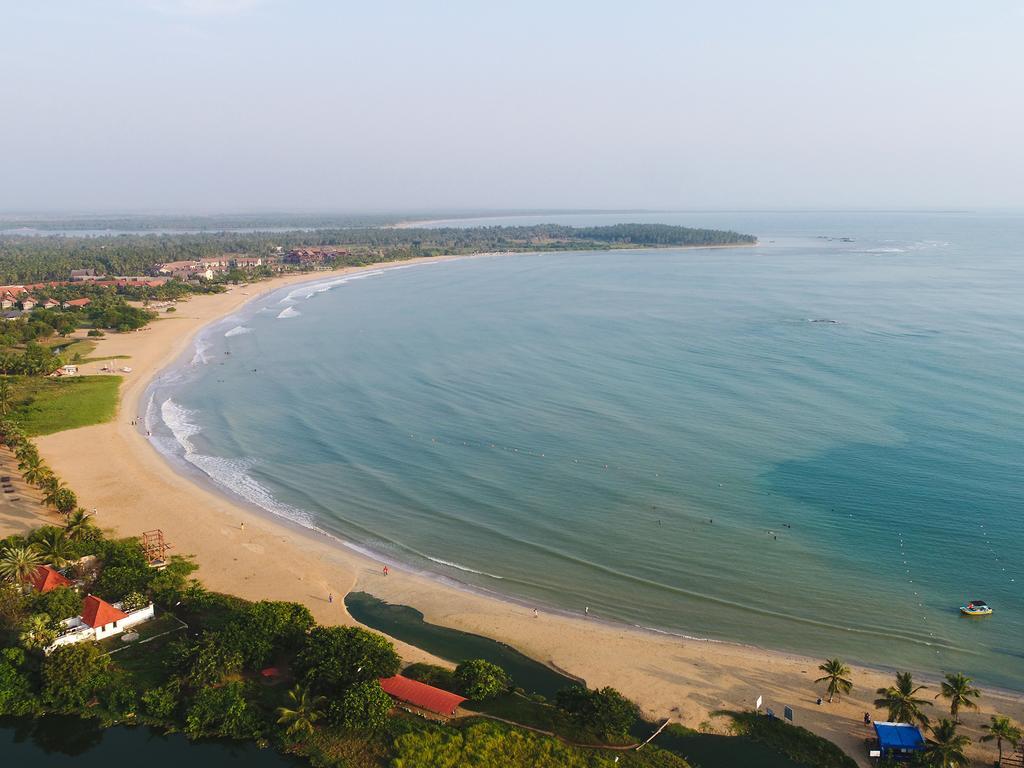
(899, 737)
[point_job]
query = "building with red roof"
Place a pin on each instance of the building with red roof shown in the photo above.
(46, 578)
(99, 620)
(77, 303)
(98, 613)
(421, 696)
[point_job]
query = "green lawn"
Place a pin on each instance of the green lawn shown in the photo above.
(43, 405)
(147, 662)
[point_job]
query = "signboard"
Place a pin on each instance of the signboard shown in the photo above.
(787, 713)
(758, 703)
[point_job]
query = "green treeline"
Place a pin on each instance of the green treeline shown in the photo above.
(36, 259)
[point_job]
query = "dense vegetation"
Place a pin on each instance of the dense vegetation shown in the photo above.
(34, 259)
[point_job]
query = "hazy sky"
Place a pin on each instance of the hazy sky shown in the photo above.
(231, 105)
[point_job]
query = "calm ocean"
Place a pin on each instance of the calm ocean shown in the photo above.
(813, 445)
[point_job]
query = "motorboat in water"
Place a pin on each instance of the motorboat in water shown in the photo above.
(976, 608)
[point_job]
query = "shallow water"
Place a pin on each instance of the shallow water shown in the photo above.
(811, 445)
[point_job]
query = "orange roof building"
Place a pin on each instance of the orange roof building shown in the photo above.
(99, 613)
(421, 696)
(46, 578)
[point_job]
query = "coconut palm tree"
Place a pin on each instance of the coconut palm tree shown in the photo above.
(5, 395)
(837, 677)
(78, 525)
(958, 689)
(302, 712)
(946, 748)
(1002, 729)
(17, 564)
(34, 470)
(25, 449)
(900, 701)
(51, 488)
(53, 547)
(37, 632)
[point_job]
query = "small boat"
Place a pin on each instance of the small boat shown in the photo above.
(976, 608)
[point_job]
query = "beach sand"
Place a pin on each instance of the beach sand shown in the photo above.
(134, 488)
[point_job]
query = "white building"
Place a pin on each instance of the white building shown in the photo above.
(99, 620)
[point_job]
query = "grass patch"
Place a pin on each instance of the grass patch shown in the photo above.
(796, 743)
(43, 405)
(147, 662)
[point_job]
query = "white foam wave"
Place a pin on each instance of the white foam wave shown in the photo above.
(288, 312)
(465, 568)
(238, 330)
(308, 291)
(200, 358)
(232, 474)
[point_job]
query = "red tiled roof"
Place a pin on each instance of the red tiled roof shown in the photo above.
(99, 613)
(46, 578)
(421, 695)
(79, 302)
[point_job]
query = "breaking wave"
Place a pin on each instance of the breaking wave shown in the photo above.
(238, 330)
(232, 474)
(459, 567)
(288, 312)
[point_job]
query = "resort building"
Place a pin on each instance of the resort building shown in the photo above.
(84, 275)
(247, 262)
(47, 578)
(99, 620)
(51, 304)
(77, 303)
(66, 370)
(28, 304)
(420, 698)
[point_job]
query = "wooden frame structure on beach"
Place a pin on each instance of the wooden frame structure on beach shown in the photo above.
(155, 547)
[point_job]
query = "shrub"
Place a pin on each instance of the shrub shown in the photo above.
(606, 711)
(161, 702)
(16, 696)
(431, 674)
(72, 675)
(334, 658)
(133, 601)
(222, 711)
(479, 679)
(95, 333)
(65, 501)
(363, 707)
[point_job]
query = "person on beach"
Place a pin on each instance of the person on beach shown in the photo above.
(535, 614)
(586, 610)
(330, 597)
(867, 718)
(241, 526)
(385, 570)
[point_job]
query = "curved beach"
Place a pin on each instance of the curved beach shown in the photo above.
(239, 550)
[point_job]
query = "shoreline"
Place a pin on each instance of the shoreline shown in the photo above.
(113, 468)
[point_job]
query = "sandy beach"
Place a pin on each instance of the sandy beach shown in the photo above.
(133, 488)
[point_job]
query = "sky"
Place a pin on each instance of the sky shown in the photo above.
(334, 105)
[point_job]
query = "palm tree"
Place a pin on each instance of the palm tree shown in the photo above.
(302, 713)
(78, 525)
(33, 469)
(53, 547)
(25, 449)
(37, 632)
(5, 395)
(837, 675)
(1002, 729)
(51, 488)
(899, 700)
(18, 564)
(946, 747)
(958, 689)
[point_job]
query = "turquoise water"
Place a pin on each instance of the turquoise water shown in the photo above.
(811, 445)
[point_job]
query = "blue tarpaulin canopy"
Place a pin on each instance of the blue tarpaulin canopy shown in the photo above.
(898, 737)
